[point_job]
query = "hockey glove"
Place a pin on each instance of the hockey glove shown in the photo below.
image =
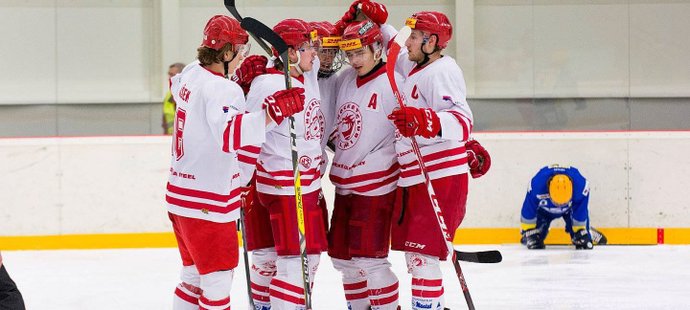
(247, 196)
(351, 13)
(582, 240)
(477, 158)
(532, 239)
(284, 103)
(412, 121)
(250, 68)
(375, 11)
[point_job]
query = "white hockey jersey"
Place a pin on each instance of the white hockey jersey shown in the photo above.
(365, 161)
(328, 87)
(274, 172)
(209, 128)
(441, 87)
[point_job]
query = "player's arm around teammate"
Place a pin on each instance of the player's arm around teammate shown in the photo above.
(203, 190)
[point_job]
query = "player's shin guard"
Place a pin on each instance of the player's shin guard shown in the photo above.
(262, 271)
(354, 284)
(286, 289)
(215, 289)
(381, 282)
(187, 293)
(427, 281)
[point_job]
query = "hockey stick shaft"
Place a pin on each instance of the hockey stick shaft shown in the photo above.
(392, 57)
(259, 32)
(245, 255)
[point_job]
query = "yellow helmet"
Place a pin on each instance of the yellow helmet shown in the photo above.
(560, 189)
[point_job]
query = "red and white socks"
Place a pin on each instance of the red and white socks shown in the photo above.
(286, 288)
(215, 290)
(263, 269)
(427, 281)
(369, 283)
(187, 293)
(203, 292)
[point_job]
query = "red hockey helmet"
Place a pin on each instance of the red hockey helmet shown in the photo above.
(221, 30)
(360, 34)
(434, 23)
(327, 32)
(295, 32)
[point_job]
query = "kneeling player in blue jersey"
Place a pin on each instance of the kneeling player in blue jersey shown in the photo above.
(558, 191)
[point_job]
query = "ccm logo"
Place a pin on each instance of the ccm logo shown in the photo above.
(415, 245)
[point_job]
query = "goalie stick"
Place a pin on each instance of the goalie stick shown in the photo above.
(391, 59)
(261, 32)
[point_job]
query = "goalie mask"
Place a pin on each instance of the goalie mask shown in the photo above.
(560, 189)
(329, 54)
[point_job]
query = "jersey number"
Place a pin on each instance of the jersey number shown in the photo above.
(178, 147)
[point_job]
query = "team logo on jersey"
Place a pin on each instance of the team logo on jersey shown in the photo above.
(315, 123)
(305, 161)
(349, 125)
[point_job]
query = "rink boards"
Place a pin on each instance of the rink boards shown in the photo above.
(107, 192)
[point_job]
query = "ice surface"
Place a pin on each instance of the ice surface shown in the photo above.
(608, 277)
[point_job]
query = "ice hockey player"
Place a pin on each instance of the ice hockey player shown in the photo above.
(203, 188)
(331, 59)
(365, 173)
(557, 191)
(438, 116)
(276, 264)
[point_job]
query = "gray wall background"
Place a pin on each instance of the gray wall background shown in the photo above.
(88, 67)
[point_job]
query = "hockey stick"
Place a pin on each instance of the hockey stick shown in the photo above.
(259, 32)
(392, 57)
(245, 255)
(484, 257)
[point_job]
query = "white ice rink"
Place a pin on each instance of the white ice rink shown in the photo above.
(608, 277)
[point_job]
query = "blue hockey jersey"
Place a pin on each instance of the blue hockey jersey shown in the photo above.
(538, 197)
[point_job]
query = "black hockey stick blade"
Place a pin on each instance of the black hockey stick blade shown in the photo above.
(262, 31)
(484, 257)
(230, 5)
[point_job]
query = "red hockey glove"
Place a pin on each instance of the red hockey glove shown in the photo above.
(351, 13)
(284, 103)
(247, 196)
(375, 11)
(413, 121)
(250, 68)
(477, 158)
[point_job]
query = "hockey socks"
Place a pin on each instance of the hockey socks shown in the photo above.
(427, 281)
(187, 293)
(286, 290)
(263, 269)
(368, 283)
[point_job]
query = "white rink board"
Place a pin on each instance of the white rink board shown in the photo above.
(93, 185)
